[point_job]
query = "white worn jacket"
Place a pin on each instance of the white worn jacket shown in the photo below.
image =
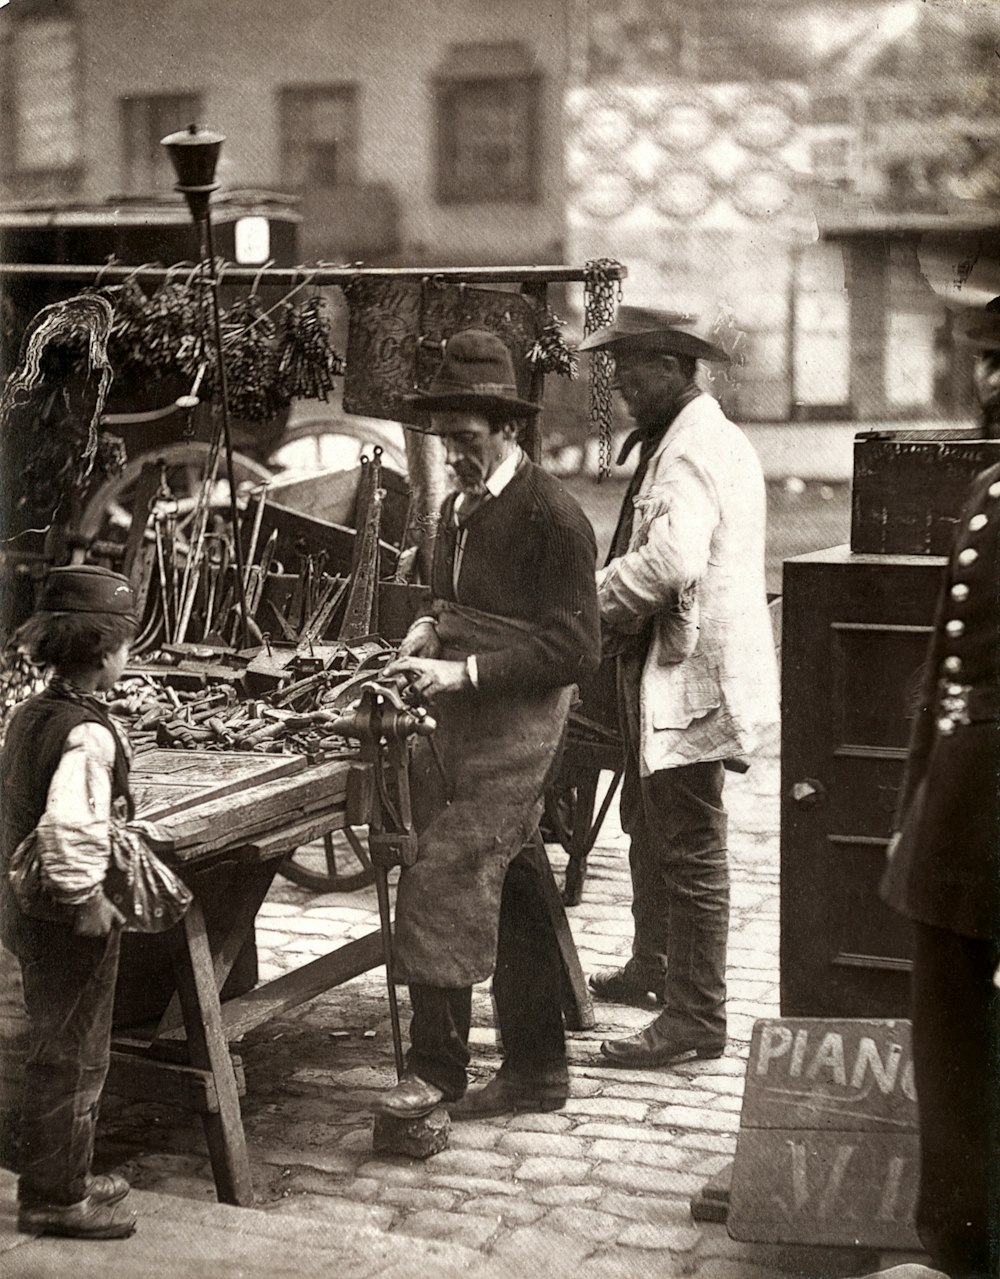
(695, 564)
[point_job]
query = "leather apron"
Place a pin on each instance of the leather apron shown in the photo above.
(500, 752)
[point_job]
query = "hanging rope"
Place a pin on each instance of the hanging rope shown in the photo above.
(602, 291)
(80, 327)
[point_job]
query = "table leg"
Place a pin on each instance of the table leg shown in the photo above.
(578, 1009)
(254, 883)
(208, 1050)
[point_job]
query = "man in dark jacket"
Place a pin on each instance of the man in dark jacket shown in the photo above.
(514, 625)
(944, 874)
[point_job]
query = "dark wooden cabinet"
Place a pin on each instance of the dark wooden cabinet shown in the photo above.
(855, 632)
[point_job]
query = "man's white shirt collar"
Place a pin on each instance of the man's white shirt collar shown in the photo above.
(500, 478)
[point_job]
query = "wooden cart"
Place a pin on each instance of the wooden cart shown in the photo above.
(227, 821)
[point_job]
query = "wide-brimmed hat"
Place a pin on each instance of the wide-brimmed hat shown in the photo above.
(477, 373)
(979, 327)
(87, 588)
(638, 328)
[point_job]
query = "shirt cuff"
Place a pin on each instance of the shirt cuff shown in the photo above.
(472, 667)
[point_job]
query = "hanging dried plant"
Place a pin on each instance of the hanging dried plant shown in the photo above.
(549, 352)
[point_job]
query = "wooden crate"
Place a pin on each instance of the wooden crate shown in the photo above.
(910, 487)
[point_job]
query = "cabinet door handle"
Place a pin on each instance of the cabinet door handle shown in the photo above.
(809, 792)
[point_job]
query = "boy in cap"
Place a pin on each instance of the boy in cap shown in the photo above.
(684, 609)
(63, 768)
(513, 626)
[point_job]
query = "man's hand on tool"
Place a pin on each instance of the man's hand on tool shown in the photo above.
(431, 677)
(421, 639)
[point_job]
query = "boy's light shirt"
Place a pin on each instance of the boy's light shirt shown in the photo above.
(74, 842)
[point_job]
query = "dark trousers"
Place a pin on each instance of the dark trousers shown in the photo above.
(69, 989)
(680, 886)
(527, 991)
(956, 1058)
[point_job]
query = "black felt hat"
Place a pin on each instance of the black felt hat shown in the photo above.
(639, 328)
(87, 588)
(476, 373)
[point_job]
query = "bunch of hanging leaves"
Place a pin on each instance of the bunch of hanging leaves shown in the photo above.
(51, 405)
(549, 352)
(272, 355)
(149, 332)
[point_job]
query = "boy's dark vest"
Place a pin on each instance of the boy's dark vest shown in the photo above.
(34, 745)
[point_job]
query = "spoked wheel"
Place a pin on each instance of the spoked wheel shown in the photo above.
(342, 865)
(108, 512)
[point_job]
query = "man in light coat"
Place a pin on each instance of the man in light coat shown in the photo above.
(684, 609)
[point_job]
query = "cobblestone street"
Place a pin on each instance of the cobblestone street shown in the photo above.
(602, 1188)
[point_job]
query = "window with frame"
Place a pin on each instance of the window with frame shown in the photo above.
(488, 108)
(145, 121)
(45, 90)
(319, 136)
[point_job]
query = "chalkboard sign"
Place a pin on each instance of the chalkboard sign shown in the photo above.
(827, 1149)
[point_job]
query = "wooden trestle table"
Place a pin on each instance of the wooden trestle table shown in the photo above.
(237, 815)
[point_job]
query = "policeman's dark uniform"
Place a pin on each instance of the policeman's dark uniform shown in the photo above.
(945, 876)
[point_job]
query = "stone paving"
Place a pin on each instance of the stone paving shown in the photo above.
(602, 1188)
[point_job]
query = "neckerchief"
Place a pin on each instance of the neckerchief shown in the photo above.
(650, 438)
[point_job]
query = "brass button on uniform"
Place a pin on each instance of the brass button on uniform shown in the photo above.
(952, 665)
(968, 556)
(955, 628)
(945, 726)
(994, 489)
(960, 592)
(977, 522)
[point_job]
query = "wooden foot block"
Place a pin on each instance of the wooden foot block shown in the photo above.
(418, 1138)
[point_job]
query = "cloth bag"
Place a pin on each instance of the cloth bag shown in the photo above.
(146, 891)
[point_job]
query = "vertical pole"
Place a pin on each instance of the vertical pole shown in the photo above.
(792, 349)
(227, 436)
(538, 293)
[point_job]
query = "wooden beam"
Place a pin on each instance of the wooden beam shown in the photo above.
(289, 277)
(138, 1075)
(305, 983)
(209, 1051)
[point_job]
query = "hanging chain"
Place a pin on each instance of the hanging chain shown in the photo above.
(602, 292)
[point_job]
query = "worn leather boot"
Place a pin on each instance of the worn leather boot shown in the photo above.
(411, 1098)
(662, 1042)
(88, 1219)
(509, 1093)
(628, 985)
(107, 1188)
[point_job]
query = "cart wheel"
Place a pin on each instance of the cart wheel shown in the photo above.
(107, 515)
(335, 869)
